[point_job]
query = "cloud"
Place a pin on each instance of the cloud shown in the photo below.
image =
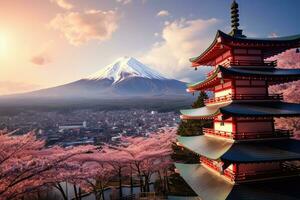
(63, 4)
(273, 35)
(124, 2)
(79, 28)
(163, 13)
(11, 87)
(181, 39)
(42, 57)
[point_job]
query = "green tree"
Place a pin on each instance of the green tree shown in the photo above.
(194, 127)
(191, 128)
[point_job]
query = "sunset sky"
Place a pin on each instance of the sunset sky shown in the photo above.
(45, 43)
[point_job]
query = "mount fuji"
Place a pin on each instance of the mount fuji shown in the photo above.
(124, 78)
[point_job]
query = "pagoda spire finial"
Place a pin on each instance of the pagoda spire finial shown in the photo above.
(236, 32)
(235, 15)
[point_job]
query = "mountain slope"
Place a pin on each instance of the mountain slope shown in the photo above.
(126, 77)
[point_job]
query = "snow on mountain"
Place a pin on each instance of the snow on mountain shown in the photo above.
(123, 68)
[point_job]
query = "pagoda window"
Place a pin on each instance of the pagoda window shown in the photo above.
(223, 126)
(247, 51)
(254, 51)
(258, 82)
(253, 127)
(242, 82)
(248, 58)
(240, 51)
(224, 59)
(251, 91)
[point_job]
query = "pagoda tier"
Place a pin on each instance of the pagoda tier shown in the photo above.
(234, 50)
(242, 152)
(223, 78)
(253, 109)
(209, 185)
(246, 161)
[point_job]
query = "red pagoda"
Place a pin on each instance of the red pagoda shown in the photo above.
(243, 156)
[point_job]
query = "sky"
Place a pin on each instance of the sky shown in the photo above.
(45, 43)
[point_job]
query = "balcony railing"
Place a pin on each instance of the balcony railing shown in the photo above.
(271, 97)
(218, 99)
(264, 174)
(278, 133)
(250, 63)
(288, 168)
(257, 97)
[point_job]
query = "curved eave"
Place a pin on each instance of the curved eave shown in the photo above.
(263, 151)
(209, 186)
(242, 152)
(195, 60)
(202, 145)
(249, 109)
(206, 112)
(207, 83)
(262, 109)
(204, 182)
(267, 73)
(281, 44)
(273, 75)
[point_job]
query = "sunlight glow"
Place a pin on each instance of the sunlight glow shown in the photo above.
(3, 45)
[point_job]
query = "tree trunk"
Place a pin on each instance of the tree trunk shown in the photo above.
(141, 179)
(75, 192)
(61, 190)
(131, 182)
(147, 183)
(96, 193)
(168, 184)
(120, 183)
(80, 193)
(102, 191)
(161, 185)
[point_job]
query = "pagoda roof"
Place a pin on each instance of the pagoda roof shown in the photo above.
(247, 109)
(242, 152)
(206, 112)
(222, 42)
(209, 147)
(204, 182)
(210, 186)
(273, 75)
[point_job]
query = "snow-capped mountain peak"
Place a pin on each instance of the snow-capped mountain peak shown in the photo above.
(123, 68)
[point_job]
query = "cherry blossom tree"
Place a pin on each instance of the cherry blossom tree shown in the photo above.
(291, 91)
(26, 165)
(149, 155)
(119, 160)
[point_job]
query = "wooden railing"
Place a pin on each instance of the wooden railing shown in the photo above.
(253, 175)
(278, 133)
(286, 169)
(258, 97)
(209, 163)
(218, 99)
(250, 63)
(273, 97)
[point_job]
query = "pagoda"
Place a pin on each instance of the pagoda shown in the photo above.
(243, 156)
